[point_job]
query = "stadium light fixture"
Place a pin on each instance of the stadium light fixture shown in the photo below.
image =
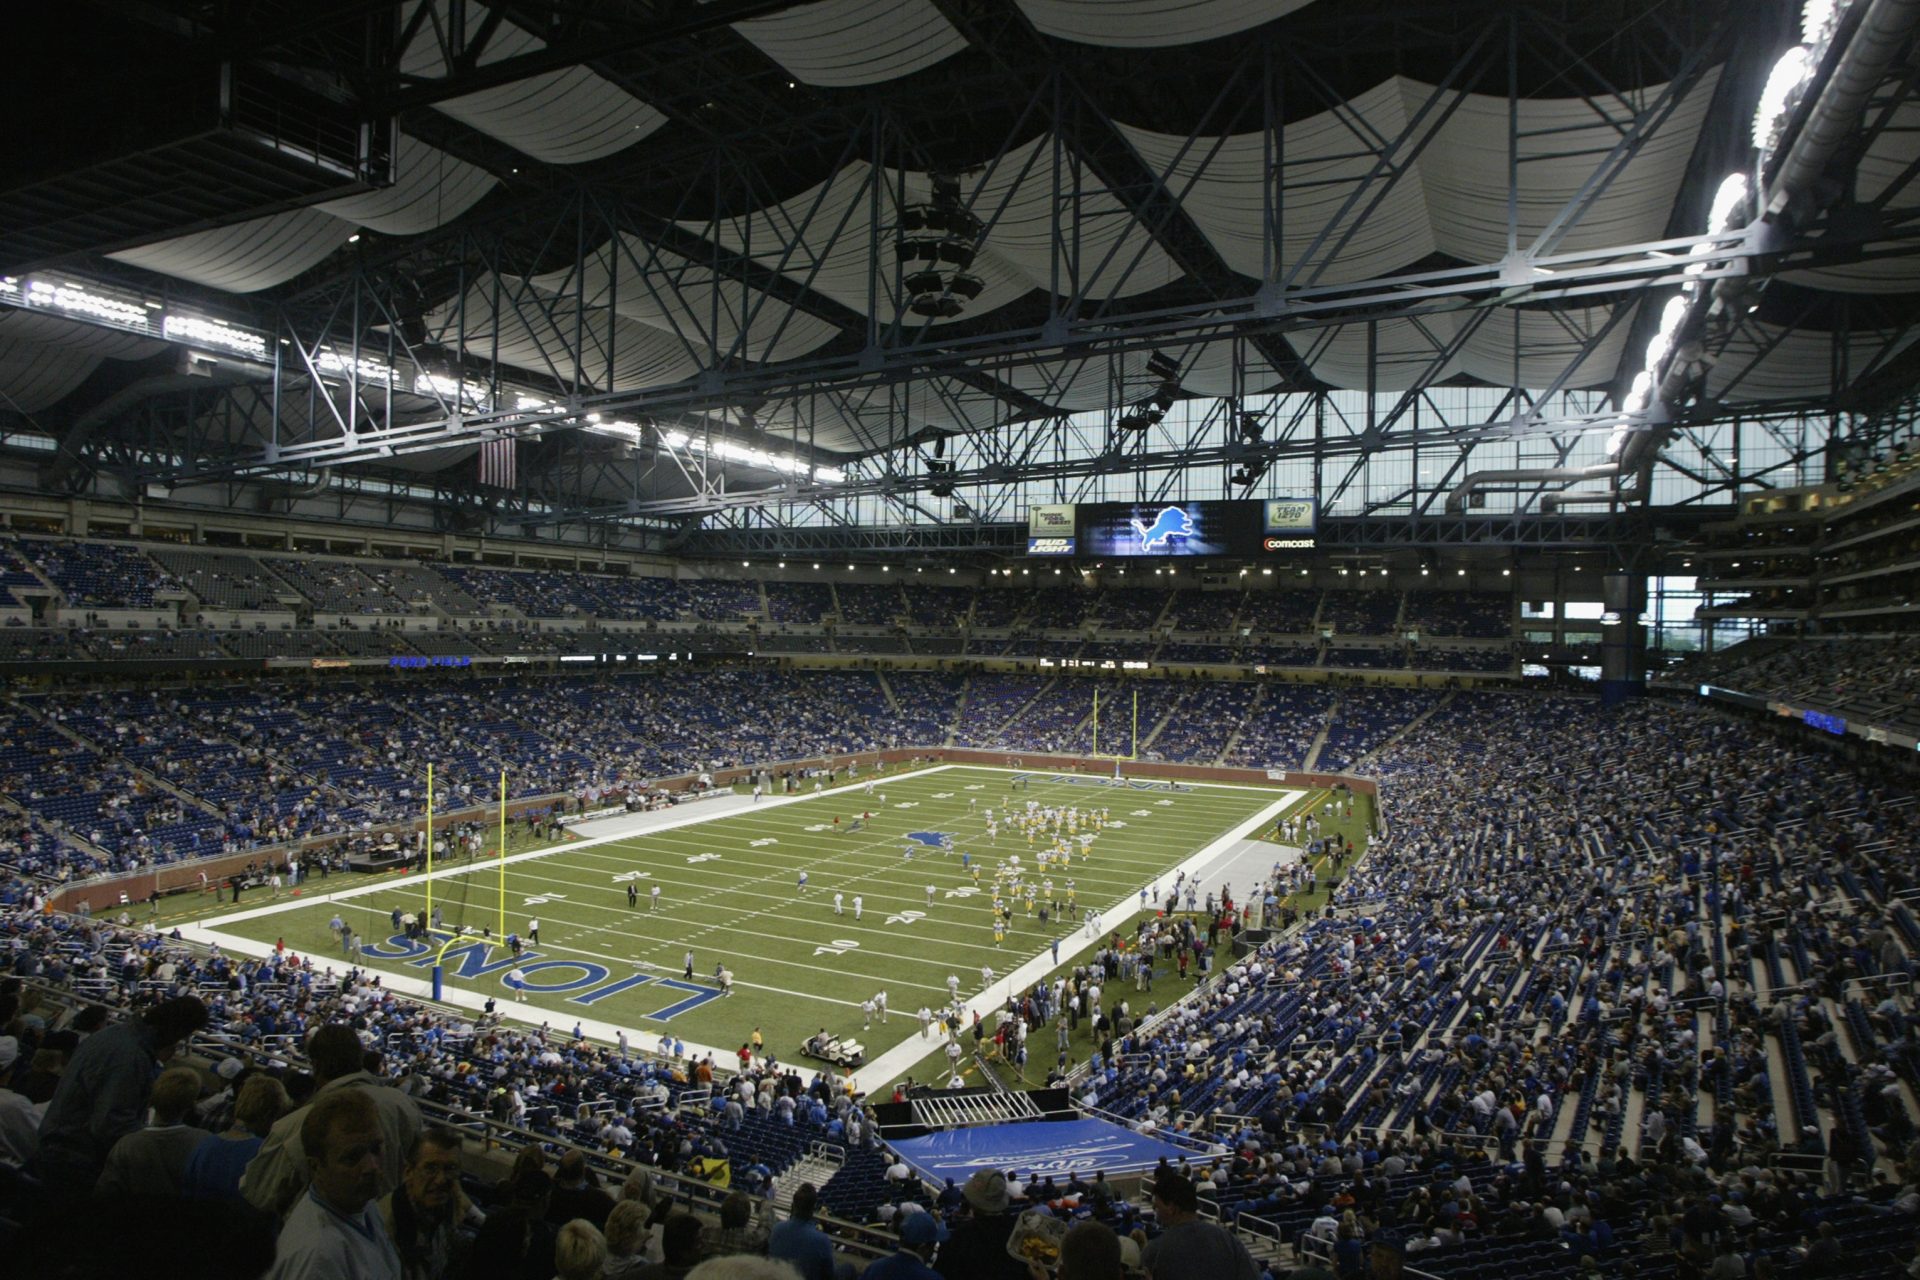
(953, 571)
(1506, 573)
(1461, 572)
(1727, 200)
(745, 565)
(1794, 69)
(1424, 571)
(1269, 573)
(783, 564)
(849, 568)
(816, 564)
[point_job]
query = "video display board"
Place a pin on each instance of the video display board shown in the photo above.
(1203, 528)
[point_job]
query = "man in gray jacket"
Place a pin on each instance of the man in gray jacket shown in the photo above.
(275, 1178)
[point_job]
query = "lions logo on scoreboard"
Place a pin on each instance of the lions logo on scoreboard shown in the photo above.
(1170, 523)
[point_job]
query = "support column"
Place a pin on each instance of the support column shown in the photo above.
(1623, 638)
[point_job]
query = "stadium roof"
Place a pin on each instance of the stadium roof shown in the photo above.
(833, 260)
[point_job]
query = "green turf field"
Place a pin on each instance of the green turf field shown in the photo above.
(728, 894)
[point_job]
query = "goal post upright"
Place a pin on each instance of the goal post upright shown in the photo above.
(503, 853)
(428, 922)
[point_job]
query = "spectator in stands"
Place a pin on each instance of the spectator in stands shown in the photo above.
(516, 1242)
(627, 1238)
(680, 1242)
(1187, 1248)
(738, 1232)
(978, 1249)
(575, 1195)
(104, 1091)
(38, 1080)
(153, 1160)
(275, 1177)
(799, 1242)
(639, 1189)
(334, 1230)
(580, 1253)
(20, 1116)
(1090, 1251)
(741, 1267)
(214, 1168)
(921, 1235)
(425, 1213)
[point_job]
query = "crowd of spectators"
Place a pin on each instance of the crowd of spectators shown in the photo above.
(1621, 992)
(1873, 677)
(1617, 991)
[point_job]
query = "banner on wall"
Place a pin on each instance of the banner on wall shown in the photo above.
(1050, 530)
(1289, 524)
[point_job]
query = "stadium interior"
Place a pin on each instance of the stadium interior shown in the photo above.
(1322, 594)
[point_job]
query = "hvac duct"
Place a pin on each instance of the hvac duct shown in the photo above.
(1457, 499)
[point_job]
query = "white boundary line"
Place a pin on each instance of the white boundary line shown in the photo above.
(1105, 780)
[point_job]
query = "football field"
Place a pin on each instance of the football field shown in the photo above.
(729, 893)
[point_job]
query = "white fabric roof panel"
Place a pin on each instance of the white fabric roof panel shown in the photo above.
(1528, 348)
(1440, 201)
(1018, 200)
(667, 292)
(538, 336)
(248, 256)
(429, 188)
(1798, 363)
(839, 238)
(1020, 197)
(34, 376)
(44, 359)
(843, 43)
(1223, 190)
(562, 117)
(1154, 24)
(1563, 141)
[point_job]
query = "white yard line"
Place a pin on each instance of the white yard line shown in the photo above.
(890, 1065)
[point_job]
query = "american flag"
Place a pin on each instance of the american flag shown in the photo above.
(497, 458)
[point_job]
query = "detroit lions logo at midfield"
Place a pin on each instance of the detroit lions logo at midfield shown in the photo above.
(1171, 523)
